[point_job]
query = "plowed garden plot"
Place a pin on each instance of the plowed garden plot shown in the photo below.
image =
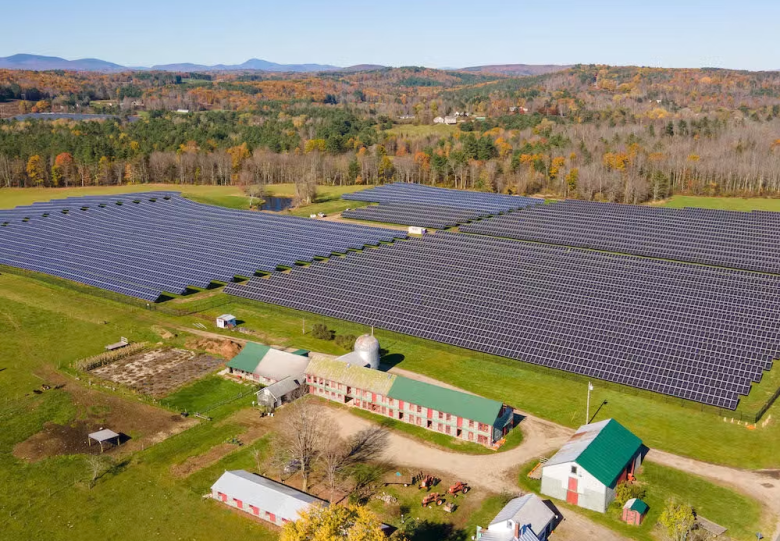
(160, 371)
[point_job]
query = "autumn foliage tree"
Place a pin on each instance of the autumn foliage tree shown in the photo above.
(36, 171)
(63, 169)
(334, 523)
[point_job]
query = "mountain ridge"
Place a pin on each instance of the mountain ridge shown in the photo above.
(35, 62)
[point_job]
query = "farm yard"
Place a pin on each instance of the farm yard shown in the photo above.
(51, 405)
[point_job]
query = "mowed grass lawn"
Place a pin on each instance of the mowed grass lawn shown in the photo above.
(740, 514)
(661, 424)
(724, 203)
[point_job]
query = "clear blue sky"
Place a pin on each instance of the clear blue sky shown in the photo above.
(672, 33)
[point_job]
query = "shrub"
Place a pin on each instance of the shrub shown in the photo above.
(626, 491)
(321, 332)
(345, 341)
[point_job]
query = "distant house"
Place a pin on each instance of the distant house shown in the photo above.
(450, 120)
(279, 393)
(182, 111)
(267, 365)
(461, 415)
(586, 470)
(262, 497)
(526, 518)
(226, 321)
(438, 120)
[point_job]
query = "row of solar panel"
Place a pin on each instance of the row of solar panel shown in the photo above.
(585, 312)
(739, 240)
(429, 216)
(407, 193)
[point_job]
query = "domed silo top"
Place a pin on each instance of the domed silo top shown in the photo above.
(367, 347)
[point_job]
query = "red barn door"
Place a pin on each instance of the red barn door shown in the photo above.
(571, 496)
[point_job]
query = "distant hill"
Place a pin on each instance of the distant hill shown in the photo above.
(39, 63)
(363, 67)
(517, 69)
(253, 64)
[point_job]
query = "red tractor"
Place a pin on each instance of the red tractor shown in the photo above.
(433, 497)
(459, 487)
(427, 482)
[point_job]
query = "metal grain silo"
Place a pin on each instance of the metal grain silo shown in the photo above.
(367, 347)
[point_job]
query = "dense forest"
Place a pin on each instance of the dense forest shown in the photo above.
(596, 132)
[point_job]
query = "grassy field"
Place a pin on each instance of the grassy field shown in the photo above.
(724, 203)
(661, 424)
(740, 514)
(43, 326)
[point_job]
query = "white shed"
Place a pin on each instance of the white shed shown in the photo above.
(226, 321)
(586, 470)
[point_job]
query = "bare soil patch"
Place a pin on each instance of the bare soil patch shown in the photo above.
(160, 371)
(221, 347)
(141, 424)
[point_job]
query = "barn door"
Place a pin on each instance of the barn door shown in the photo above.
(572, 496)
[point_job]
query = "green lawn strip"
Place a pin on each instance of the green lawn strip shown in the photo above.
(136, 504)
(658, 420)
(724, 203)
(334, 206)
(761, 393)
(206, 393)
(237, 202)
(737, 512)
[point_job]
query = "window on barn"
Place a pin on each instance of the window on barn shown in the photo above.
(574, 470)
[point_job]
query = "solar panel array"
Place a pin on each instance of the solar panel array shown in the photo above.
(689, 331)
(740, 240)
(401, 192)
(431, 216)
(148, 243)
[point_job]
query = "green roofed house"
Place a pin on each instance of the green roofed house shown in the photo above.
(267, 365)
(461, 415)
(586, 470)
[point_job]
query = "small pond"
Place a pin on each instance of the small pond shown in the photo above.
(276, 204)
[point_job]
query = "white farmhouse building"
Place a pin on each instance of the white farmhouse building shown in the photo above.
(586, 470)
(526, 518)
